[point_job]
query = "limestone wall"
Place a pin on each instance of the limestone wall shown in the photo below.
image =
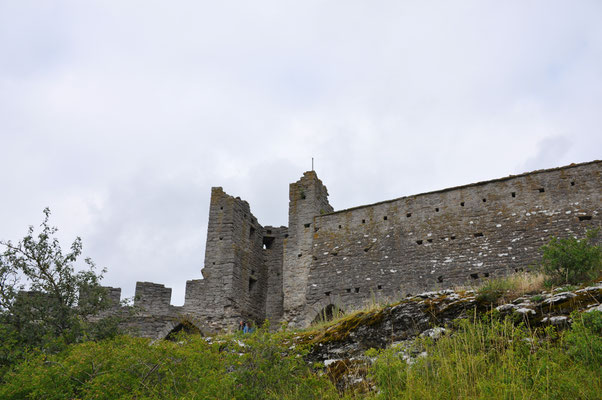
(273, 250)
(448, 237)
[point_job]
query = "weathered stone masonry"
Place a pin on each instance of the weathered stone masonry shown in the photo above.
(383, 250)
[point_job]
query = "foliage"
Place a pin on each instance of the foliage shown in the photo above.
(490, 359)
(571, 260)
(271, 369)
(494, 290)
(585, 338)
(252, 366)
(502, 289)
(481, 359)
(58, 303)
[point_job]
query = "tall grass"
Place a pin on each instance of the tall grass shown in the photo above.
(505, 289)
(489, 359)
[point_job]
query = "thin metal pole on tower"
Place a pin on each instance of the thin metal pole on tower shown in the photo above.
(312, 163)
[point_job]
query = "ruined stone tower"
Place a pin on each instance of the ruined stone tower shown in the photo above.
(308, 198)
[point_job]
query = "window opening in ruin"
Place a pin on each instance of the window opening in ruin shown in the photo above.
(541, 190)
(486, 274)
(585, 218)
(484, 200)
(357, 290)
(220, 238)
(462, 204)
(327, 293)
(366, 249)
(314, 258)
(251, 232)
(572, 183)
(452, 237)
(303, 195)
(513, 194)
(474, 276)
(437, 209)
(307, 225)
(419, 241)
(335, 254)
(214, 263)
(380, 287)
(440, 278)
(340, 226)
(268, 241)
(286, 235)
(408, 215)
(252, 284)
(348, 290)
(478, 234)
(252, 272)
(221, 208)
(299, 255)
(316, 229)
(363, 221)
(429, 240)
(269, 232)
(385, 218)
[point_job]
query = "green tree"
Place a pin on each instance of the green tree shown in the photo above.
(44, 301)
(571, 260)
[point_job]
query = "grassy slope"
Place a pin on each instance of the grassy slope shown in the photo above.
(482, 359)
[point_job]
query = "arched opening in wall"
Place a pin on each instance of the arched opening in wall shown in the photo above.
(183, 327)
(328, 313)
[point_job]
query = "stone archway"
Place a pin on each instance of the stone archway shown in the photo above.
(325, 311)
(187, 325)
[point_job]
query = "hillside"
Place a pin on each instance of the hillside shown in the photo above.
(445, 344)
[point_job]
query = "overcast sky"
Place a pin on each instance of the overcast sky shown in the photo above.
(121, 115)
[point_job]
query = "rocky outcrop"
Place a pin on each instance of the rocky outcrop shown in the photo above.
(341, 346)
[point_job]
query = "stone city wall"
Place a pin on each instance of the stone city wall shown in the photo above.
(448, 237)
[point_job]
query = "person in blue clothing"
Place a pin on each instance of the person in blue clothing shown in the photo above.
(245, 329)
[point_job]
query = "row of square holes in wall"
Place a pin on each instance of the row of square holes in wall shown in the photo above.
(462, 204)
(354, 290)
(477, 234)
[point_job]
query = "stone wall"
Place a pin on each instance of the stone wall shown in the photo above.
(448, 237)
(273, 250)
(370, 253)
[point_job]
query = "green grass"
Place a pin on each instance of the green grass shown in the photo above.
(497, 360)
(480, 359)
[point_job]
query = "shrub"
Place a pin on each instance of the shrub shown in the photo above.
(572, 261)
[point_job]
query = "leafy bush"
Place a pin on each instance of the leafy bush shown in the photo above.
(256, 366)
(572, 261)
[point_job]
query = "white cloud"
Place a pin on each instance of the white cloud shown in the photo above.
(120, 116)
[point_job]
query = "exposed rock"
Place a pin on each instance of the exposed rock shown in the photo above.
(426, 314)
